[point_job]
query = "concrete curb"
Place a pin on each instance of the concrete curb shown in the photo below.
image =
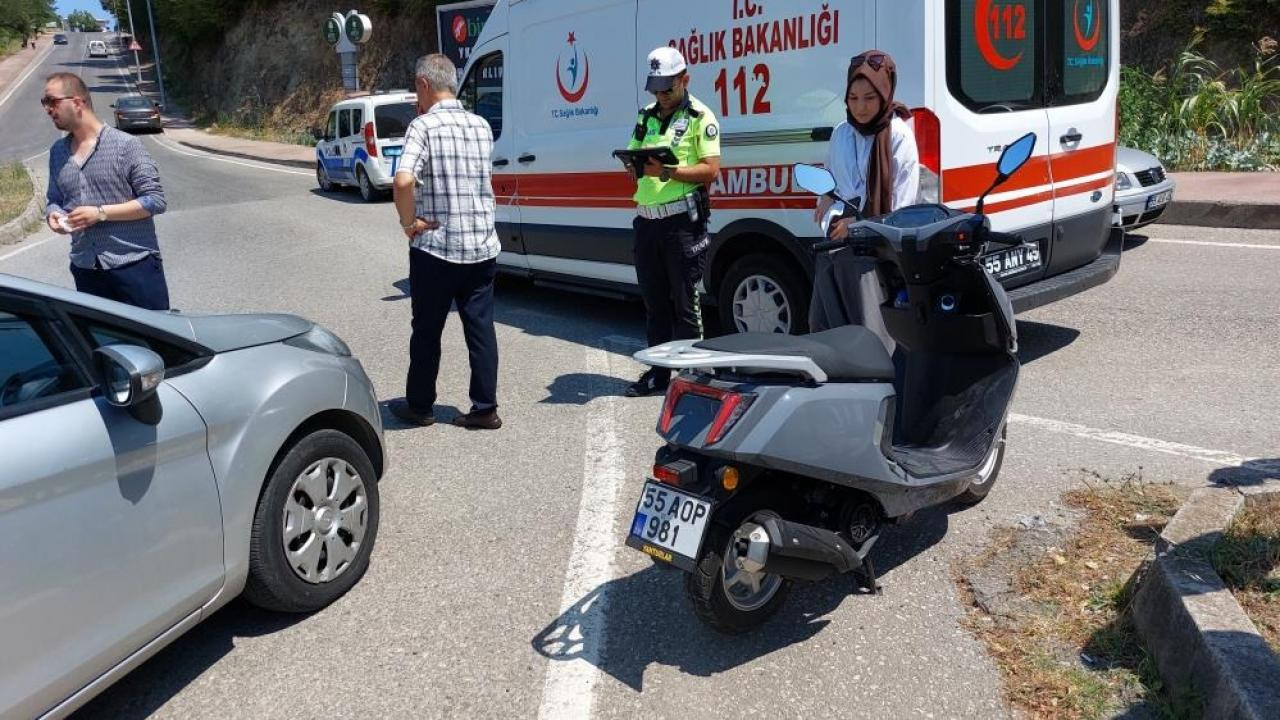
(1221, 214)
(248, 156)
(1206, 648)
(13, 231)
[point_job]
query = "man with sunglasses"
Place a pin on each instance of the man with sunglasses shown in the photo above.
(672, 208)
(104, 190)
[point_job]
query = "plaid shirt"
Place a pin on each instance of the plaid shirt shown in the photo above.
(118, 170)
(448, 150)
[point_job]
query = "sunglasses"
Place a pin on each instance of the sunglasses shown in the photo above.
(875, 60)
(48, 101)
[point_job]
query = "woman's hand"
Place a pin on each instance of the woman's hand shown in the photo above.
(840, 228)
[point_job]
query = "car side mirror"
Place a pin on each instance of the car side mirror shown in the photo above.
(131, 376)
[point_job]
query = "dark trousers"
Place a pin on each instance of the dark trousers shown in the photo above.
(670, 256)
(434, 286)
(141, 283)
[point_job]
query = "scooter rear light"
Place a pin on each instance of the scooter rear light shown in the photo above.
(678, 473)
(370, 141)
(731, 409)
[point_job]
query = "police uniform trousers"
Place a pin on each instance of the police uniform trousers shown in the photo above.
(670, 257)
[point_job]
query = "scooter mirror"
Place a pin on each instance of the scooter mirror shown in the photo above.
(814, 179)
(1016, 154)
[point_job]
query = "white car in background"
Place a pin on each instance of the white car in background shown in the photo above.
(1143, 189)
(97, 48)
(361, 143)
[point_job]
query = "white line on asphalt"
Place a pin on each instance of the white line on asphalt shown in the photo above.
(28, 245)
(37, 155)
(205, 156)
(577, 645)
(35, 64)
(1221, 458)
(1251, 246)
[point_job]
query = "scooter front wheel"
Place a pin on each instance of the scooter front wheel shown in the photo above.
(727, 598)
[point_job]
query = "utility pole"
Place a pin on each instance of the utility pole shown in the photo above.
(136, 62)
(155, 50)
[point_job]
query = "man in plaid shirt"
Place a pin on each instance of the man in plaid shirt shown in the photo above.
(444, 198)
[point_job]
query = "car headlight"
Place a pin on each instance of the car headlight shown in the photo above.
(1122, 181)
(318, 339)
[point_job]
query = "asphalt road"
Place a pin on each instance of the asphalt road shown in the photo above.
(487, 546)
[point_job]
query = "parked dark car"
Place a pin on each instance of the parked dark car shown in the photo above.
(59, 39)
(135, 112)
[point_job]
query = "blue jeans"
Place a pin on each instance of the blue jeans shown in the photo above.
(140, 284)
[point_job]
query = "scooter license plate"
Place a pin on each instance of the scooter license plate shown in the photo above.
(1014, 261)
(669, 525)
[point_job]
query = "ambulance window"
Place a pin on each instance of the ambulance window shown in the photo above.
(1082, 56)
(994, 54)
(344, 123)
(482, 91)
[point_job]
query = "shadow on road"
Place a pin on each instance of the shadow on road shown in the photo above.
(1251, 472)
(1036, 340)
(143, 691)
(1133, 241)
(625, 625)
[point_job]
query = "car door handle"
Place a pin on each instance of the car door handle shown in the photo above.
(501, 162)
(1073, 137)
(527, 158)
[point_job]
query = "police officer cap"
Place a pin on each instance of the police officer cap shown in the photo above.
(665, 65)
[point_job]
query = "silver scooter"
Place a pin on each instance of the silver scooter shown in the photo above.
(785, 455)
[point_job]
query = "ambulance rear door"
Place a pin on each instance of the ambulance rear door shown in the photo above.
(992, 78)
(1084, 81)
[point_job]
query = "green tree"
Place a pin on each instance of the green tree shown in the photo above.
(22, 18)
(82, 20)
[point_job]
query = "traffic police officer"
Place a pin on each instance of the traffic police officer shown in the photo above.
(672, 208)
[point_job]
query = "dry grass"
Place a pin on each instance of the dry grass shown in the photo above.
(1062, 638)
(15, 191)
(1248, 559)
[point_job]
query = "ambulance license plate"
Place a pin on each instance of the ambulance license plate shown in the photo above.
(1014, 261)
(669, 525)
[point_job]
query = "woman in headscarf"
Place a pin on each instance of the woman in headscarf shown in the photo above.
(873, 155)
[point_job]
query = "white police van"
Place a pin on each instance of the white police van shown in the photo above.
(560, 82)
(362, 142)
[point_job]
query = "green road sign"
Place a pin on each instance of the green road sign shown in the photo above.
(332, 31)
(357, 28)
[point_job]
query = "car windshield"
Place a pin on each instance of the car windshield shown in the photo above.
(133, 102)
(393, 120)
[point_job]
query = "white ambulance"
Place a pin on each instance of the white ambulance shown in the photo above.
(560, 82)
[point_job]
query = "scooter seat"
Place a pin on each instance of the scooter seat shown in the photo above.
(848, 353)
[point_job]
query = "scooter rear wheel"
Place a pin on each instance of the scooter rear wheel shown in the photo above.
(730, 600)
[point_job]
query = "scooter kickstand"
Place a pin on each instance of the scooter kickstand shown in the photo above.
(866, 578)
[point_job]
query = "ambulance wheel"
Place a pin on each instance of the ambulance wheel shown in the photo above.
(368, 192)
(726, 598)
(987, 476)
(322, 179)
(763, 292)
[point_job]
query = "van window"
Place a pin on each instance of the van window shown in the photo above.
(344, 123)
(482, 91)
(357, 121)
(1082, 58)
(331, 130)
(995, 59)
(392, 121)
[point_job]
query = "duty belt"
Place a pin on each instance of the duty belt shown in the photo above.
(666, 210)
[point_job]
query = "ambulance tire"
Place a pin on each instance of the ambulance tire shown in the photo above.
(770, 278)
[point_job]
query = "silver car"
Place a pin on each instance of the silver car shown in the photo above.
(157, 465)
(1143, 189)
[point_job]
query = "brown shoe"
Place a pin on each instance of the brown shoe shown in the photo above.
(482, 420)
(406, 414)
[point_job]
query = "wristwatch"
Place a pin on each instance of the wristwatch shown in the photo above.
(665, 175)
(102, 214)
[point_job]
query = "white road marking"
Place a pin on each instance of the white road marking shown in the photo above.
(1220, 458)
(206, 156)
(1250, 246)
(29, 245)
(37, 155)
(35, 65)
(577, 645)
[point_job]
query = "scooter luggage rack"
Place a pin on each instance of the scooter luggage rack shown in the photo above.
(682, 355)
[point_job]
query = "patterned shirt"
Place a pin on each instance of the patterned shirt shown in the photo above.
(448, 150)
(118, 170)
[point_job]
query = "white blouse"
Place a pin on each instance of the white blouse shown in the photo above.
(850, 151)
